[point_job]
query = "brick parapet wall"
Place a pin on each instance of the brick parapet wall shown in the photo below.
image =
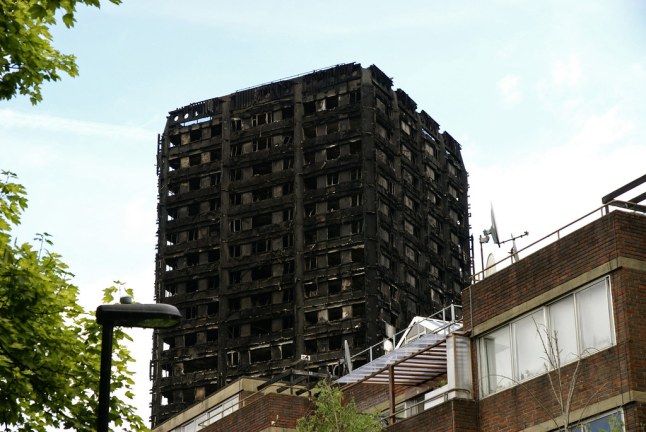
(369, 396)
(630, 229)
(457, 415)
(283, 410)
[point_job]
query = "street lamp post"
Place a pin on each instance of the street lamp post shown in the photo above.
(156, 315)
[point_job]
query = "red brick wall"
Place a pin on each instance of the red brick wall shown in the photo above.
(284, 410)
(635, 417)
(457, 415)
(629, 291)
(248, 397)
(367, 396)
(630, 313)
(631, 235)
(630, 298)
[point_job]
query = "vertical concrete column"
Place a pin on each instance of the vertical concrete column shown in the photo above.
(371, 282)
(299, 265)
(223, 298)
(458, 364)
(397, 215)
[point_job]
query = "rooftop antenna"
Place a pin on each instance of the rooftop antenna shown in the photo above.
(494, 233)
(514, 251)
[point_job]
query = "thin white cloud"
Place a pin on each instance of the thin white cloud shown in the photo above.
(509, 89)
(567, 72)
(336, 19)
(11, 119)
(602, 131)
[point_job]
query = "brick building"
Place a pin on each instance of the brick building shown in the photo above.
(589, 291)
(295, 216)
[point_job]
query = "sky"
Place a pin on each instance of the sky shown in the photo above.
(546, 98)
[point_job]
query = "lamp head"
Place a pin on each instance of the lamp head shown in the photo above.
(156, 315)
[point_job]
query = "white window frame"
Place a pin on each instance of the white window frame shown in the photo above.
(516, 377)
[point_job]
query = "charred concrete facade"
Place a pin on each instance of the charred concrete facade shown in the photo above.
(296, 215)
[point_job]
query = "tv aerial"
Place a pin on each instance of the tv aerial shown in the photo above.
(514, 251)
(493, 233)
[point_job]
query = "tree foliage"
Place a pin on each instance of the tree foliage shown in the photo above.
(27, 56)
(50, 348)
(332, 415)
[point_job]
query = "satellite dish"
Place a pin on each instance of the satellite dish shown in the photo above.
(491, 265)
(493, 231)
(346, 354)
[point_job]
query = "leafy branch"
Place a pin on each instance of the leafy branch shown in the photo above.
(333, 415)
(27, 56)
(50, 347)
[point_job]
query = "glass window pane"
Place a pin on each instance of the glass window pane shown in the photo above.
(611, 422)
(595, 325)
(563, 329)
(529, 351)
(497, 350)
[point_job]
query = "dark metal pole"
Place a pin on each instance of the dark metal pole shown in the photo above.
(104, 383)
(482, 260)
(391, 394)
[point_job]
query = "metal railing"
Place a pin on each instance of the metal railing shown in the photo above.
(556, 235)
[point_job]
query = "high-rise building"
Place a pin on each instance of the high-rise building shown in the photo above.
(297, 215)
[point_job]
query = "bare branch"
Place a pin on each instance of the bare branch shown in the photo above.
(548, 349)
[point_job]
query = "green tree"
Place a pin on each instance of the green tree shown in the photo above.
(27, 57)
(332, 415)
(50, 348)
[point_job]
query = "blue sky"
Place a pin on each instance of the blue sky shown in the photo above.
(547, 99)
